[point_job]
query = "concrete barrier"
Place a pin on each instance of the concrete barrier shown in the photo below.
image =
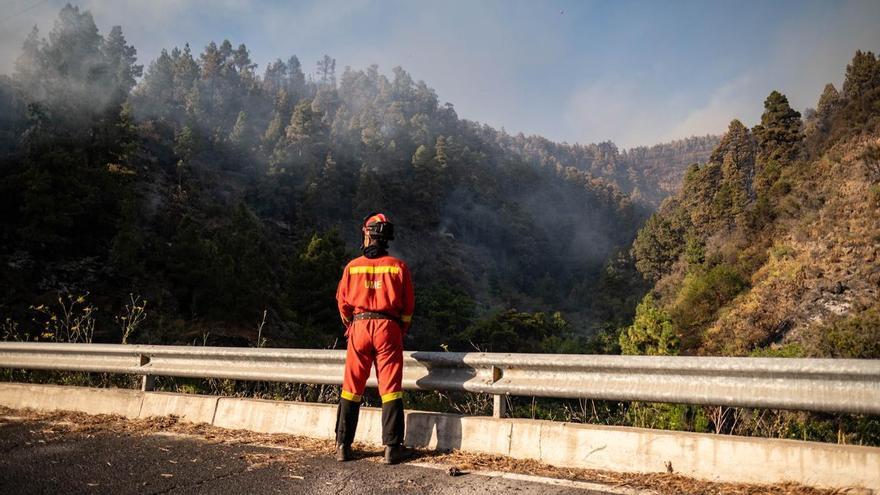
(192, 408)
(704, 456)
(81, 399)
(268, 416)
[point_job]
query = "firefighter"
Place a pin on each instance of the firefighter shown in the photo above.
(376, 302)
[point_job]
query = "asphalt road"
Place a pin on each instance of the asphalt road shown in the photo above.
(35, 458)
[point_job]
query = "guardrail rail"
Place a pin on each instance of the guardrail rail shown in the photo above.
(827, 385)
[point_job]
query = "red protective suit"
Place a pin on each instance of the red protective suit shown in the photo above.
(377, 285)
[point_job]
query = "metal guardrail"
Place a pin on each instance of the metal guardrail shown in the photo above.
(829, 385)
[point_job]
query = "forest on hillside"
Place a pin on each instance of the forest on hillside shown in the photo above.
(647, 174)
(771, 247)
(218, 200)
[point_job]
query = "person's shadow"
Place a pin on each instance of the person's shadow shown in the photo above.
(438, 431)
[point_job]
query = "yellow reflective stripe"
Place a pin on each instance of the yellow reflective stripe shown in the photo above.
(390, 396)
(350, 396)
(406, 318)
(354, 270)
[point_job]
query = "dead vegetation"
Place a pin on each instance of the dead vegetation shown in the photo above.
(661, 483)
(292, 448)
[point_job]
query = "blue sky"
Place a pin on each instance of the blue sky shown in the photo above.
(633, 72)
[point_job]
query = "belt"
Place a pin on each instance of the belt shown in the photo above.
(375, 315)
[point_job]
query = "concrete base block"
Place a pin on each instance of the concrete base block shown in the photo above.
(264, 416)
(17, 395)
(311, 420)
(525, 439)
(429, 430)
(267, 416)
(484, 434)
(369, 428)
(80, 399)
(192, 408)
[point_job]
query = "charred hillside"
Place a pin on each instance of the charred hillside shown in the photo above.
(771, 247)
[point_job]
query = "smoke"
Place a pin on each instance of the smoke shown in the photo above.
(76, 72)
(500, 217)
(595, 74)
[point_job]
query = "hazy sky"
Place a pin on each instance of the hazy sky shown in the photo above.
(583, 71)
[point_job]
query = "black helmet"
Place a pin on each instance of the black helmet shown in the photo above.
(377, 226)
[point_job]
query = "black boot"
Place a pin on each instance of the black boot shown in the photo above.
(392, 422)
(346, 421)
(395, 454)
(343, 453)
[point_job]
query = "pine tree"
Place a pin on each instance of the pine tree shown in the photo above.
(440, 156)
(736, 153)
(186, 74)
(327, 71)
(862, 75)
(779, 134)
(211, 64)
(185, 147)
(421, 159)
(659, 243)
(225, 54)
(273, 131)
(370, 194)
(274, 77)
(818, 126)
(154, 97)
(296, 80)
(303, 123)
(828, 101)
(122, 57)
(242, 61)
(240, 134)
(29, 65)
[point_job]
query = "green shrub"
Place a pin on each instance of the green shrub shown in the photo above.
(785, 351)
(700, 298)
(678, 417)
(780, 251)
(694, 251)
(441, 311)
(651, 332)
(515, 331)
(606, 341)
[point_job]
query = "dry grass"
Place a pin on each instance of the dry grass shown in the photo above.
(292, 448)
(662, 483)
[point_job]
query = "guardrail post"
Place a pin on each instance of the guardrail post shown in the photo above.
(147, 381)
(499, 406)
(499, 403)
